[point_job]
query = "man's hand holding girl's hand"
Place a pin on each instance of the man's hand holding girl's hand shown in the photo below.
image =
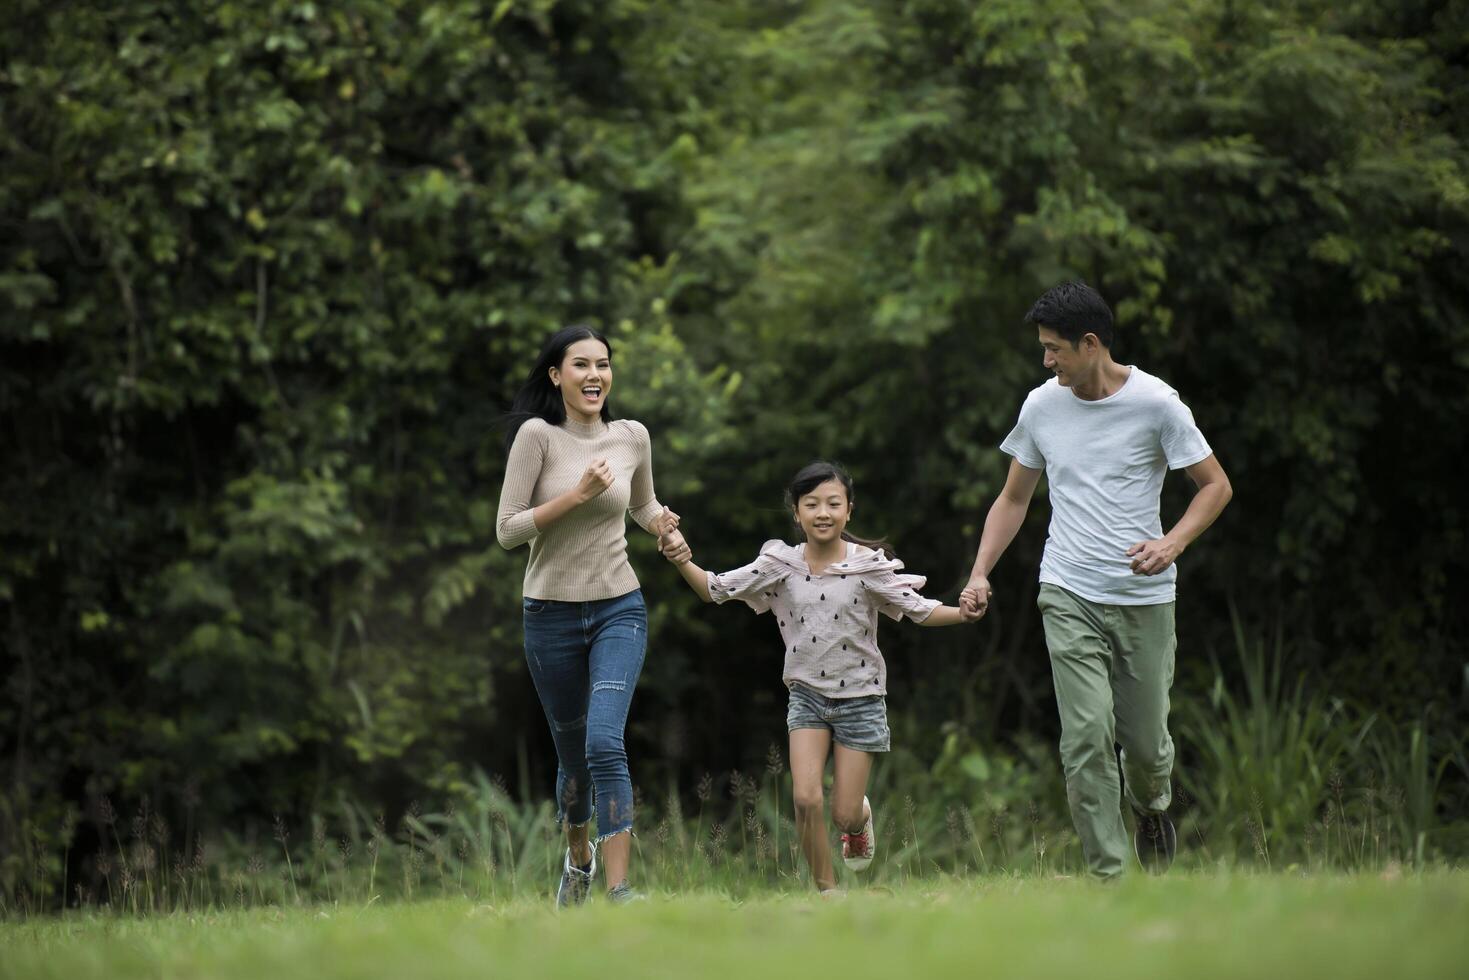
(974, 601)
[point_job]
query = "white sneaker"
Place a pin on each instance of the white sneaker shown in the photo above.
(624, 894)
(858, 848)
(576, 883)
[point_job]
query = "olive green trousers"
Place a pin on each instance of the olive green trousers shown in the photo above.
(1113, 668)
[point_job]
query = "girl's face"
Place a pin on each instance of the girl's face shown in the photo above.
(585, 379)
(823, 512)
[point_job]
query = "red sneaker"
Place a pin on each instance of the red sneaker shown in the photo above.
(858, 848)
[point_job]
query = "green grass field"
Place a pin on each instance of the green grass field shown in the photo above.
(1182, 926)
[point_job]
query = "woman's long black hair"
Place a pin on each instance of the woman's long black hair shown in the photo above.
(813, 475)
(537, 397)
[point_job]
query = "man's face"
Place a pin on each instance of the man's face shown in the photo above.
(1069, 364)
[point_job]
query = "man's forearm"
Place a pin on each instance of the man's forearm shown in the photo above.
(1000, 527)
(1207, 505)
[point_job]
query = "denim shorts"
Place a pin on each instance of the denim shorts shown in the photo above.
(856, 723)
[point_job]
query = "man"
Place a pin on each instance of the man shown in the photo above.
(1105, 434)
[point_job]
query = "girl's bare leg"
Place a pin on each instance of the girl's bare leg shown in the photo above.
(809, 747)
(848, 789)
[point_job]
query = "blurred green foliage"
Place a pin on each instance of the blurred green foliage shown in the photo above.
(270, 272)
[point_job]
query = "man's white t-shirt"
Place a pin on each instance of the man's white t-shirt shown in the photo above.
(1104, 463)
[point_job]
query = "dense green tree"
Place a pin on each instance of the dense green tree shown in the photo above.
(1275, 202)
(270, 272)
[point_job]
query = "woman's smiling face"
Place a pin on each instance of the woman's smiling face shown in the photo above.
(585, 379)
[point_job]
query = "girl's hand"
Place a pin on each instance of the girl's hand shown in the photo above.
(667, 521)
(975, 602)
(595, 481)
(970, 611)
(675, 548)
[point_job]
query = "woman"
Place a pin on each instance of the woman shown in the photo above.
(573, 474)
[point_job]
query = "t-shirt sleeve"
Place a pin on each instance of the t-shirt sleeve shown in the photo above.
(752, 583)
(1183, 443)
(897, 596)
(1020, 443)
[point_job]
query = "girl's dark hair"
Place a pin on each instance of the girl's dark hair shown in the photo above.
(537, 397)
(813, 475)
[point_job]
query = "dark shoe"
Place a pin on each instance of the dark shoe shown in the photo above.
(576, 883)
(1155, 841)
(623, 894)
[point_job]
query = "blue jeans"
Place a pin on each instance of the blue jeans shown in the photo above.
(585, 658)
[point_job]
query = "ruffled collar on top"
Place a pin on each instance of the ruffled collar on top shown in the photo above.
(859, 560)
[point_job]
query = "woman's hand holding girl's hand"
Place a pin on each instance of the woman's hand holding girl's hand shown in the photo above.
(595, 481)
(671, 544)
(675, 548)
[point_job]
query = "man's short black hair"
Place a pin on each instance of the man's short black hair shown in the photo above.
(1073, 309)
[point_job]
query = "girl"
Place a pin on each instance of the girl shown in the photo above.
(572, 475)
(826, 594)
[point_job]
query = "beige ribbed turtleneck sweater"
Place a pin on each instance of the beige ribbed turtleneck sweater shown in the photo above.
(583, 556)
